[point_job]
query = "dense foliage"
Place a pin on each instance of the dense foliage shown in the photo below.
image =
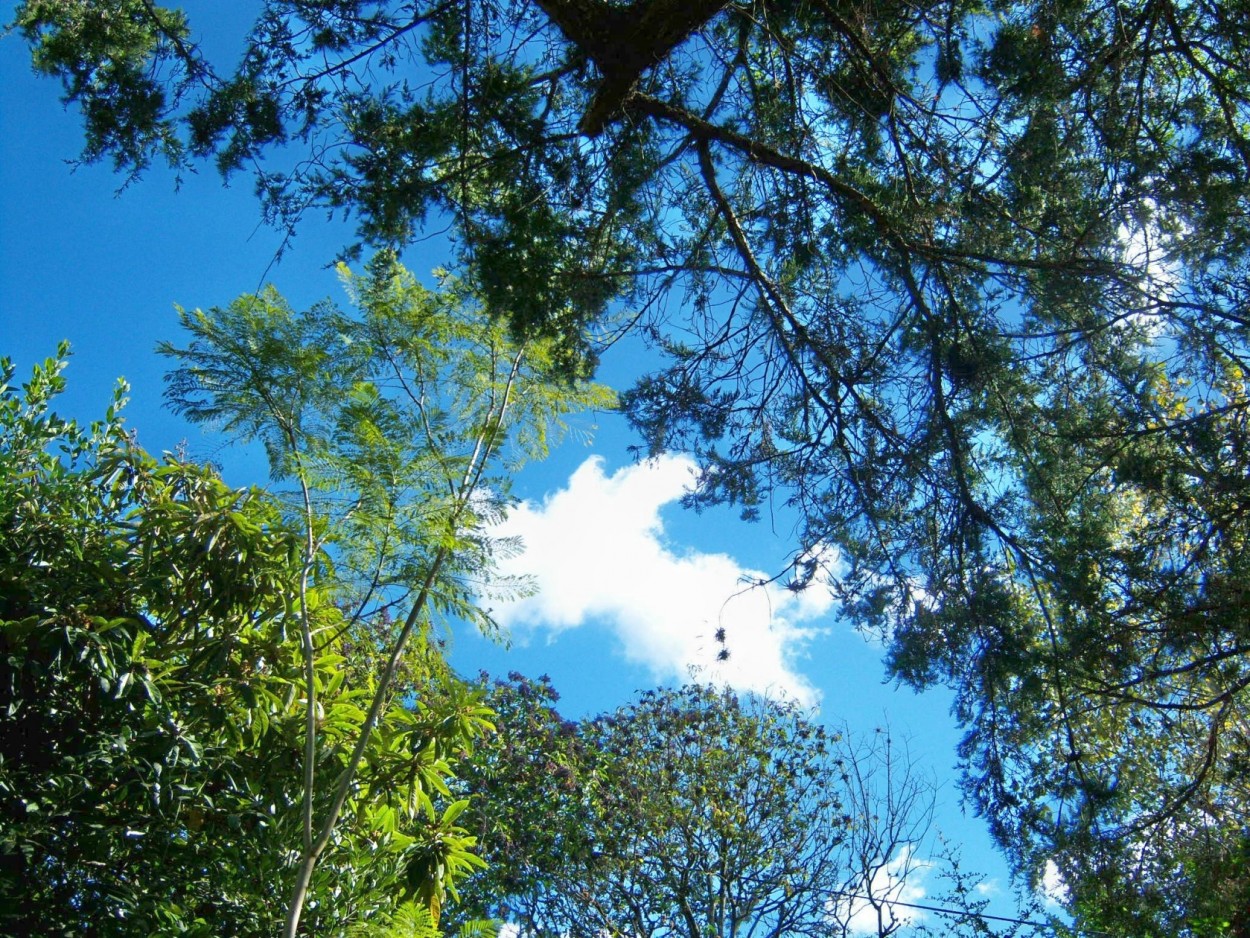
(693, 813)
(391, 429)
(964, 281)
(208, 701)
(151, 719)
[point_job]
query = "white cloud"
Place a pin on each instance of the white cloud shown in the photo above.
(988, 888)
(1053, 887)
(897, 881)
(597, 552)
(1148, 243)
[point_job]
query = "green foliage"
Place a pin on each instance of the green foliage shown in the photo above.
(127, 64)
(394, 426)
(150, 729)
(388, 427)
(692, 812)
(155, 681)
(413, 920)
(528, 787)
(963, 282)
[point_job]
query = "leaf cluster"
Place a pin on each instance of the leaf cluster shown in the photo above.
(153, 700)
(392, 427)
(392, 430)
(692, 812)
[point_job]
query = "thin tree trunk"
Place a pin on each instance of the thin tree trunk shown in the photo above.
(482, 451)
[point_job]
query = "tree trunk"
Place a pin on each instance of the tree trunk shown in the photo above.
(624, 41)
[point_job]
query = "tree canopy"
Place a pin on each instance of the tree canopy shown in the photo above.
(151, 731)
(209, 697)
(696, 813)
(963, 281)
(388, 427)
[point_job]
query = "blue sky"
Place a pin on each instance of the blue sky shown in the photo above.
(633, 588)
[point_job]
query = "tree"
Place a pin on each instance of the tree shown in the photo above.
(150, 701)
(528, 788)
(245, 708)
(390, 426)
(692, 812)
(963, 283)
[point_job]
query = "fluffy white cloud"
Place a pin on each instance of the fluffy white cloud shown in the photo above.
(895, 887)
(597, 552)
(1053, 888)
